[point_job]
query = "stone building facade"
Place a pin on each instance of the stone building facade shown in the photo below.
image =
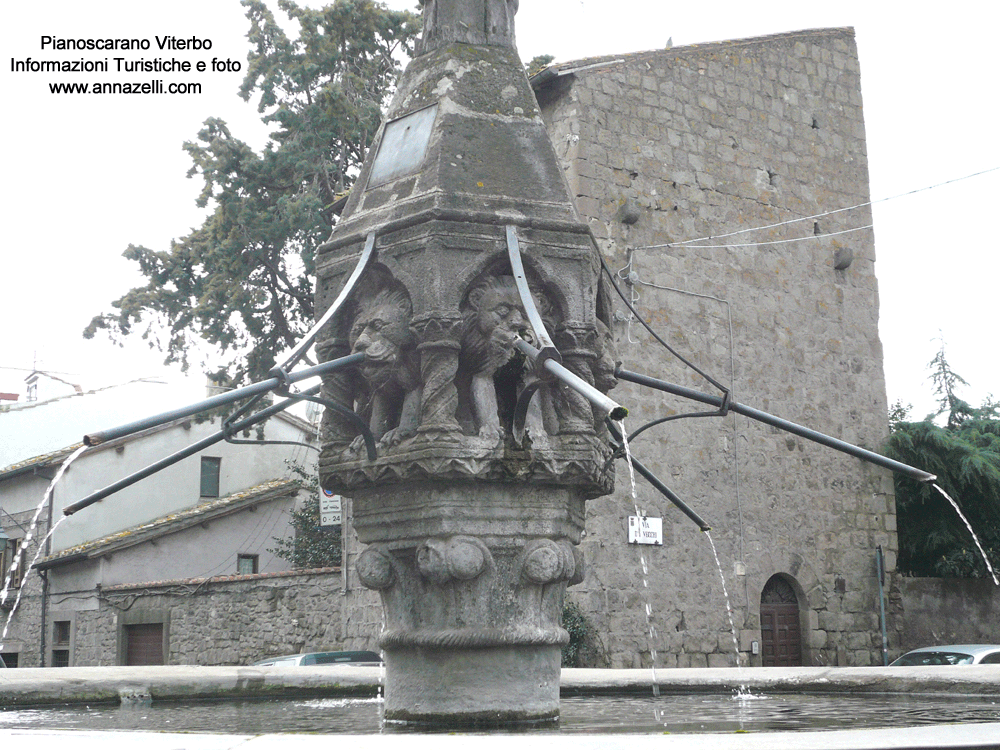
(665, 147)
(712, 140)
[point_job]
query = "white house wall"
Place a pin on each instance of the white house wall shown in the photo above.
(200, 551)
(60, 419)
(173, 488)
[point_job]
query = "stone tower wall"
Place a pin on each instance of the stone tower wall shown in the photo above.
(708, 140)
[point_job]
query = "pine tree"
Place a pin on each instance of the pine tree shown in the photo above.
(243, 280)
(965, 456)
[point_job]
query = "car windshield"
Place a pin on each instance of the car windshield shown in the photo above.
(933, 658)
(337, 657)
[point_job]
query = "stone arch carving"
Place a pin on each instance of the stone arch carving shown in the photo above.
(543, 282)
(796, 570)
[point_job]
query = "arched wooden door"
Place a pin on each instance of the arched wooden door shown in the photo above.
(780, 631)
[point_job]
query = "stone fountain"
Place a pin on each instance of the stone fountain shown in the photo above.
(472, 281)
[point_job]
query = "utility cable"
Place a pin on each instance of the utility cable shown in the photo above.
(815, 216)
(778, 242)
(656, 336)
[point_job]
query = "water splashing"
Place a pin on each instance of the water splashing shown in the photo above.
(975, 538)
(381, 669)
(26, 542)
(17, 600)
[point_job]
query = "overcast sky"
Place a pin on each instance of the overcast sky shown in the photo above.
(87, 175)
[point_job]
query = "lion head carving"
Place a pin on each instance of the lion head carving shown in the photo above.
(493, 321)
(381, 331)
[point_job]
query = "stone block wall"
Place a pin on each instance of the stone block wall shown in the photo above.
(672, 145)
(229, 620)
(941, 611)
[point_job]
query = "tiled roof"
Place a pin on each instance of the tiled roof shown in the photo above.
(145, 585)
(173, 522)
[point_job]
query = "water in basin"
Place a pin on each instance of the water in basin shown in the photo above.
(687, 714)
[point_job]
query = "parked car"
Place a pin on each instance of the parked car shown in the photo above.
(357, 658)
(949, 655)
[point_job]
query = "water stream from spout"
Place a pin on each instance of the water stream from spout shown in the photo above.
(975, 538)
(645, 567)
(26, 541)
(381, 668)
(743, 691)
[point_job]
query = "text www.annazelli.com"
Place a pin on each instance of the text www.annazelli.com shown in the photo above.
(128, 87)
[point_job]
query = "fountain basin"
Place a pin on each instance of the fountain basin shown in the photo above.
(37, 687)
(352, 689)
(695, 706)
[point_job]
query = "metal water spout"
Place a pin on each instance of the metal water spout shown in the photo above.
(471, 534)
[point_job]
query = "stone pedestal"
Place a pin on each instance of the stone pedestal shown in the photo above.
(473, 687)
(472, 584)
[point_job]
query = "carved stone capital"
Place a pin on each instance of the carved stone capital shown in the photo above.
(575, 460)
(439, 327)
(376, 569)
(451, 599)
(577, 341)
(460, 558)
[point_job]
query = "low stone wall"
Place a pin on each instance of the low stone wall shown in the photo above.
(949, 610)
(228, 620)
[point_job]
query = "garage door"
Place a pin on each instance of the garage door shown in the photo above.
(144, 644)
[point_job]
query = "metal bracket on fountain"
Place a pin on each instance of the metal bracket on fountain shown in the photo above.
(781, 424)
(546, 360)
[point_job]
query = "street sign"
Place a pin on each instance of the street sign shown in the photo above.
(330, 513)
(645, 530)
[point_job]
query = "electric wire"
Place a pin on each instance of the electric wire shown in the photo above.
(816, 216)
(655, 335)
(778, 242)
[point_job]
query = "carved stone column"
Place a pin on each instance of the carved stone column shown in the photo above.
(576, 345)
(438, 347)
(473, 593)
